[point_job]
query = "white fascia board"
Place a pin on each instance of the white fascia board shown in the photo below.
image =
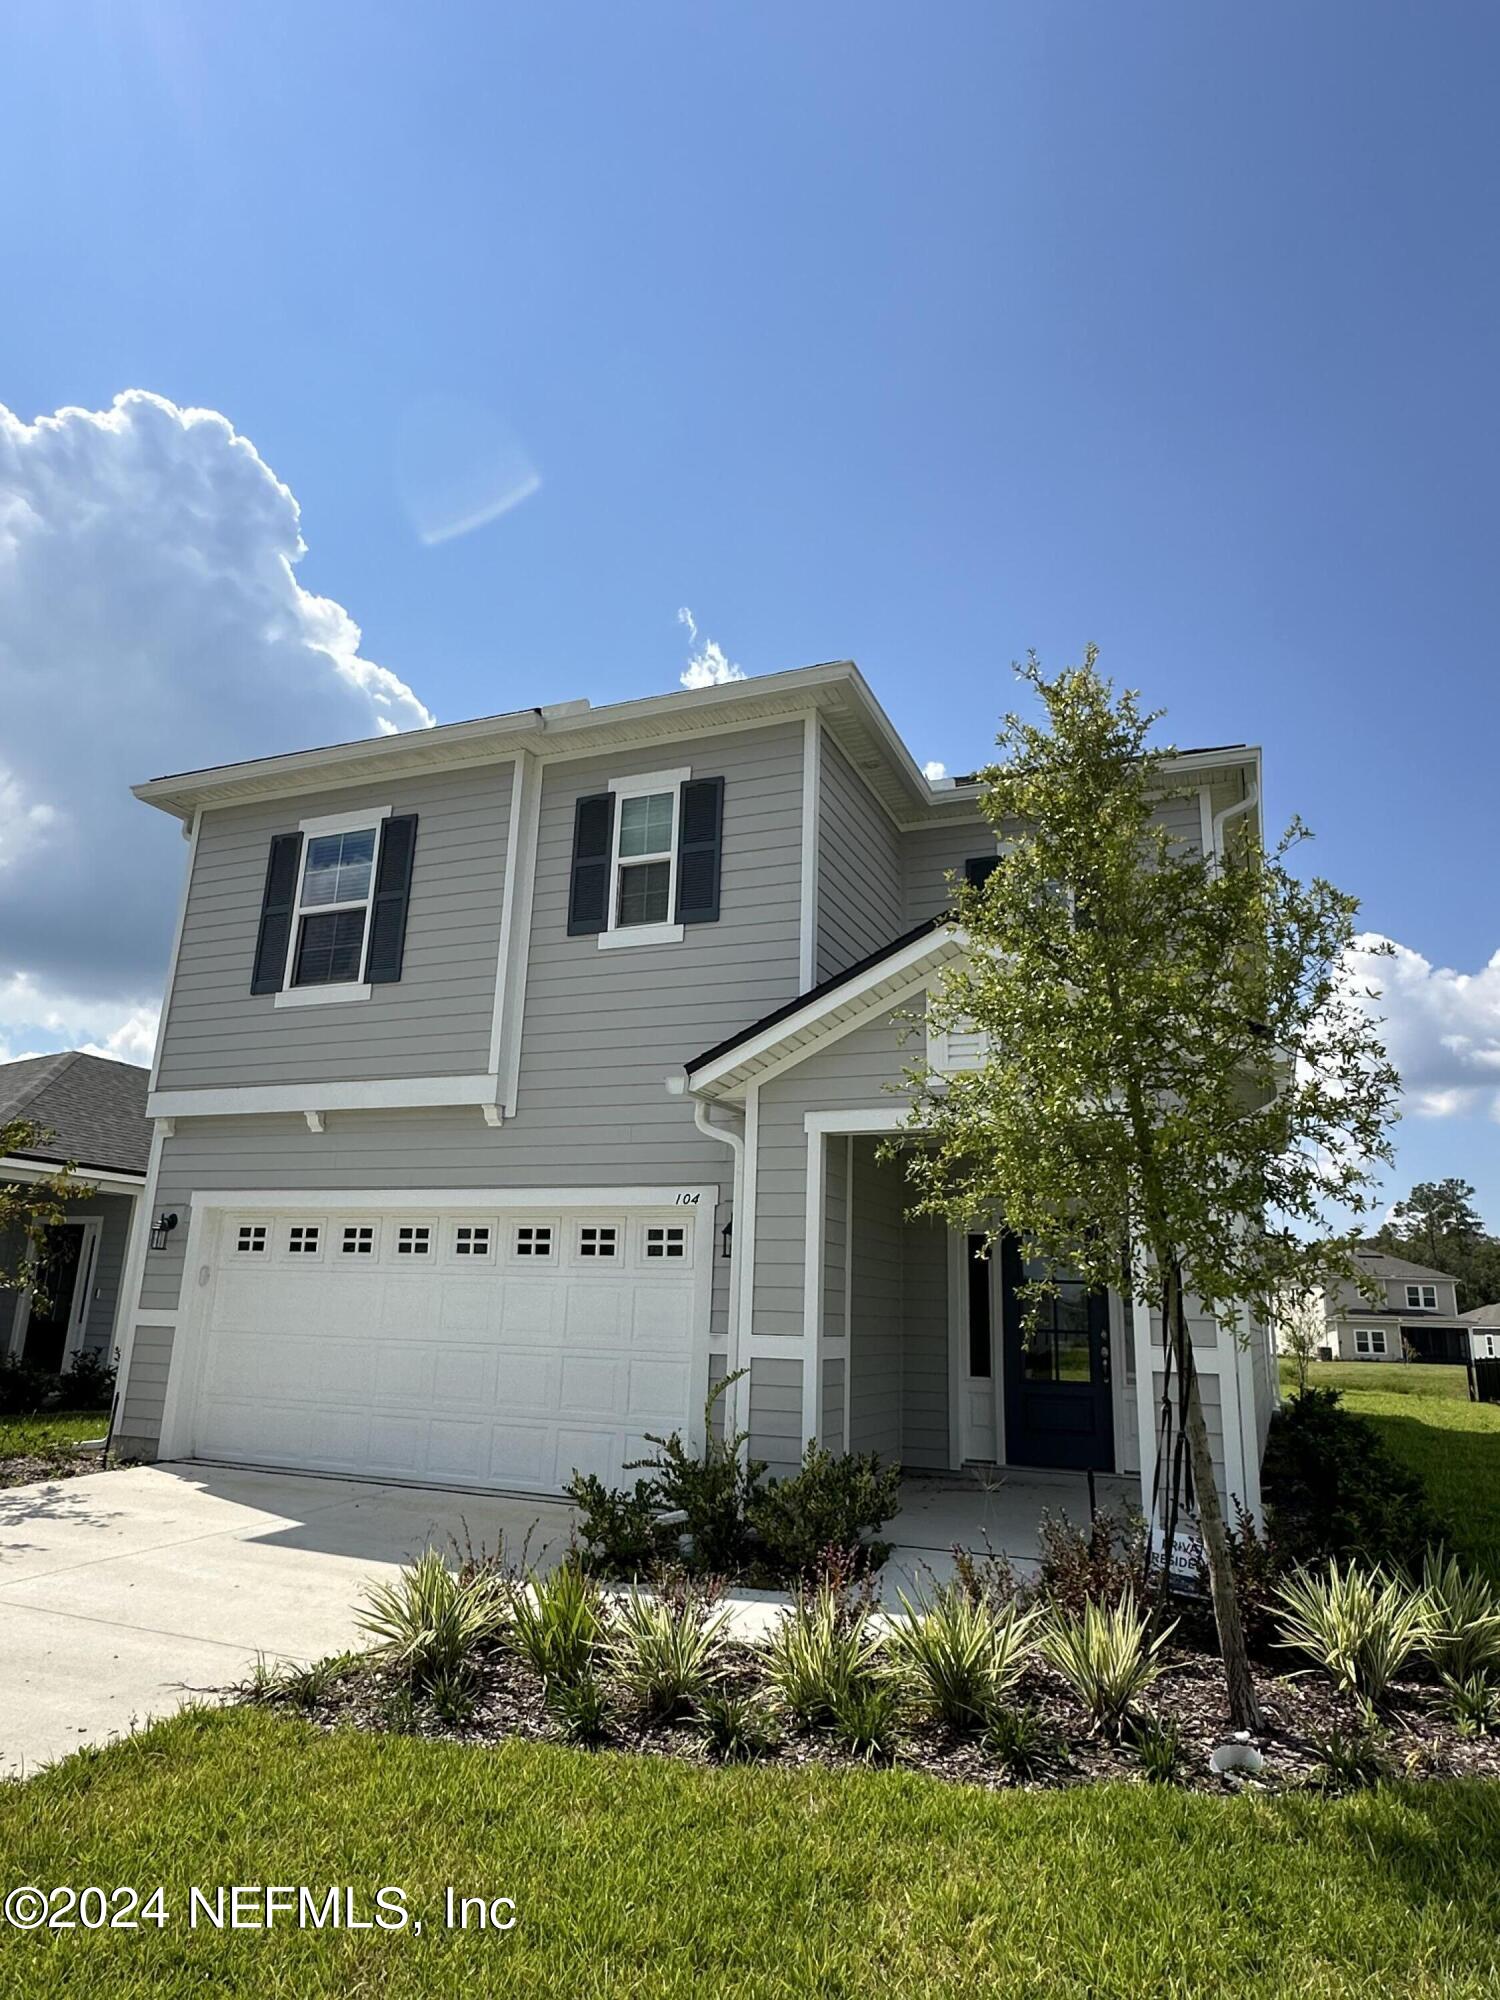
(899, 970)
(400, 1093)
(356, 1200)
(878, 1118)
(106, 1180)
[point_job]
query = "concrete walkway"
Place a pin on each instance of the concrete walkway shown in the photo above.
(124, 1594)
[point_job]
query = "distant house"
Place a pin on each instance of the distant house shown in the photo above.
(1417, 1314)
(95, 1111)
(1483, 1323)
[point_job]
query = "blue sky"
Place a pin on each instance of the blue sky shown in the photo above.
(916, 336)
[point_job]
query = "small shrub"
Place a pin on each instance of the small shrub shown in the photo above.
(1473, 1704)
(1463, 1639)
(1019, 1739)
(664, 1655)
(821, 1652)
(1361, 1626)
(1157, 1742)
(737, 1728)
(429, 1623)
(298, 1687)
(864, 1717)
(89, 1384)
(1333, 1489)
(579, 1708)
(713, 1490)
(453, 1697)
(831, 1503)
(1104, 1565)
(24, 1390)
(958, 1656)
(988, 1579)
(1348, 1760)
(1105, 1654)
(619, 1530)
(558, 1624)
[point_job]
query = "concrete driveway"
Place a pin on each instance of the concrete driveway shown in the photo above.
(124, 1594)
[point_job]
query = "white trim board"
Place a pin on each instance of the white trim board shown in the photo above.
(102, 1179)
(812, 806)
(401, 1093)
(342, 1201)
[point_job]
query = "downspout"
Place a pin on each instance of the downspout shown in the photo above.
(1234, 811)
(735, 1140)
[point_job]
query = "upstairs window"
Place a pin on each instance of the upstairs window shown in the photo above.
(1422, 1298)
(646, 858)
(333, 903)
(645, 843)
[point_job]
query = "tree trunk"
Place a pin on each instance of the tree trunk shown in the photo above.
(1244, 1709)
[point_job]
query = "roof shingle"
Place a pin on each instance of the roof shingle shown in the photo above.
(95, 1108)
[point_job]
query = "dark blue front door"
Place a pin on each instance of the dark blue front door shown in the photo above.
(1058, 1409)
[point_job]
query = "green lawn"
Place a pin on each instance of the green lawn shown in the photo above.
(51, 1437)
(647, 1876)
(1424, 1414)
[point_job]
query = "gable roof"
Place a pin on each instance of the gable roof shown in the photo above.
(1382, 1264)
(1482, 1315)
(95, 1107)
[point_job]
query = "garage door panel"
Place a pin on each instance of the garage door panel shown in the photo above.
(480, 1370)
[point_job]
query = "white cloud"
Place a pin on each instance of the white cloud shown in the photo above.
(933, 770)
(1441, 1028)
(709, 666)
(150, 620)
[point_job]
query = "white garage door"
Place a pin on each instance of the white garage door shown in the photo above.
(468, 1348)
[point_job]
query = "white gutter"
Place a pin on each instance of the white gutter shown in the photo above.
(1234, 811)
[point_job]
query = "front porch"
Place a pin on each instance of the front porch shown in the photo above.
(1001, 1515)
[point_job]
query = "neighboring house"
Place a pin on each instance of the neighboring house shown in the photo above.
(520, 1078)
(95, 1110)
(1418, 1311)
(1483, 1323)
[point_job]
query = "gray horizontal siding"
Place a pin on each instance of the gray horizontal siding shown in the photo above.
(832, 1438)
(114, 1212)
(139, 1424)
(924, 1345)
(435, 1020)
(775, 1424)
(928, 855)
(859, 866)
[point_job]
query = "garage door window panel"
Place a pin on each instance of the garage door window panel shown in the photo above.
(599, 1243)
(358, 1239)
(535, 1242)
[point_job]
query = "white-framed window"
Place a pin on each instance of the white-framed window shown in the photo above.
(1369, 1340)
(533, 1241)
(1422, 1298)
(304, 1239)
(665, 1241)
(358, 1240)
(471, 1239)
(250, 1239)
(331, 914)
(598, 1240)
(414, 1239)
(643, 860)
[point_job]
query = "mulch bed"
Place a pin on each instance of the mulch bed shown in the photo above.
(1419, 1742)
(40, 1465)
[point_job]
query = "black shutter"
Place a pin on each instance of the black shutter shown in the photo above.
(398, 846)
(276, 905)
(979, 868)
(593, 837)
(700, 834)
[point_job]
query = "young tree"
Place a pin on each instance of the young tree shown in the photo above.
(1180, 1081)
(27, 1208)
(1301, 1330)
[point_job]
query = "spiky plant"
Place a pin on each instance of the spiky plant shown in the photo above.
(1360, 1625)
(431, 1622)
(737, 1728)
(957, 1655)
(820, 1651)
(1463, 1639)
(1107, 1656)
(558, 1624)
(664, 1655)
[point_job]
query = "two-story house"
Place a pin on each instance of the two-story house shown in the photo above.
(1417, 1310)
(519, 1078)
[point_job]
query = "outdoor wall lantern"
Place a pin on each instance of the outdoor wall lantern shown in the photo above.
(728, 1236)
(161, 1229)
